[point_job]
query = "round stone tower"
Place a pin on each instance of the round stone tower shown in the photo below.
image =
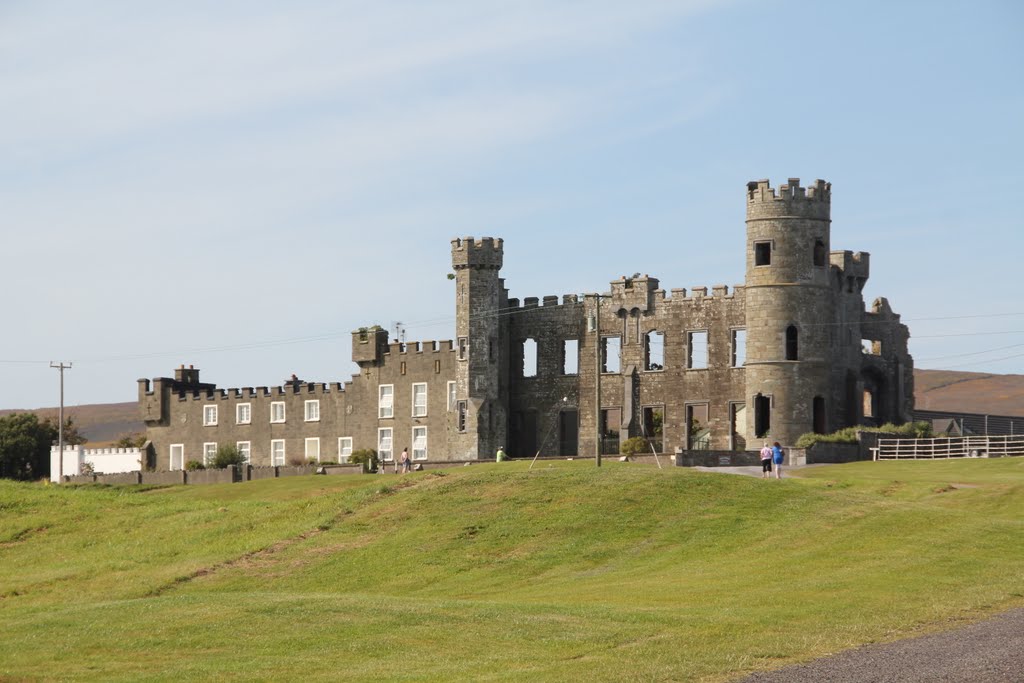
(479, 423)
(788, 307)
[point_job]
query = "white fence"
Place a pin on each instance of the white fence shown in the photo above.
(952, 447)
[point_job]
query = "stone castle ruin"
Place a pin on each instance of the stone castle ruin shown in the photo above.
(791, 351)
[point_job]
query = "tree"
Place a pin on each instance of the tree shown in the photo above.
(228, 455)
(72, 437)
(25, 446)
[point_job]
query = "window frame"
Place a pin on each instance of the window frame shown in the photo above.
(246, 453)
(273, 454)
(689, 349)
(238, 413)
(181, 459)
(208, 410)
(311, 403)
(390, 452)
(733, 346)
(274, 405)
(342, 456)
(381, 407)
(422, 428)
(461, 416)
(768, 254)
(312, 440)
(452, 389)
(425, 394)
(209, 457)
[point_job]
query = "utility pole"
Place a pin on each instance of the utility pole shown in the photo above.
(60, 420)
(597, 377)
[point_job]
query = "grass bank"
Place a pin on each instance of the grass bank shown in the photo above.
(498, 573)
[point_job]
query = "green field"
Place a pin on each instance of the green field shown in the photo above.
(497, 573)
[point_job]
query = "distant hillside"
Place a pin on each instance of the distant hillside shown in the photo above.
(101, 423)
(969, 392)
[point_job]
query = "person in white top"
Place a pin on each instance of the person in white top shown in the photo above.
(766, 461)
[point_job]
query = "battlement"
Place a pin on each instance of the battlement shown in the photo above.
(549, 301)
(792, 200)
(484, 253)
(853, 264)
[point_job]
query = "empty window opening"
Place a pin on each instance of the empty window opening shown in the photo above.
(653, 427)
(654, 350)
(869, 403)
(739, 348)
(762, 253)
(738, 426)
(791, 343)
(451, 396)
(568, 432)
(819, 253)
(530, 358)
(462, 408)
(463, 348)
(762, 415)
(871, 347)
(611, 348)
(697, 350)
(571, 357)
(611, 423)
(818, 415)
(698, 429)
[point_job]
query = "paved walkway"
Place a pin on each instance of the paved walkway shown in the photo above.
(988, 652)
(755, 470)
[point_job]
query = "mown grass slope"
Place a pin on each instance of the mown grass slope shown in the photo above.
(565, 572)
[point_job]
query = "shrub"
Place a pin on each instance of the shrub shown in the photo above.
(296, 461)
(227, 456)
(367, 457)
(193, 465)
(917, 430)
(635, 445)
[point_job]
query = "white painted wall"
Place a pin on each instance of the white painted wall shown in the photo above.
(103, 460)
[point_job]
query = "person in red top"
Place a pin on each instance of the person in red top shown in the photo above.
(766, 461)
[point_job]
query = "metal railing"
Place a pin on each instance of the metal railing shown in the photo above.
(950, 447)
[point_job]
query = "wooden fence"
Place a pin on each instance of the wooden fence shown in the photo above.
(951, 447)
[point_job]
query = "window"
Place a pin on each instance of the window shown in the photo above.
(869, 403)
(762, 253)
(697, 350)
(698, 434)
(738, 426)
(463, 348)
(386, 401)
(244, 450)
(313, 448)
(384, 447)
(277, 411)
(611, 423)
(312, 411)
(611, 348)
(791, 343)
(451, 396)
(819, 254)
(277, 452)
(419, 443)
(654, 426)
(530, 358)
(739, 348)
(571, 357)
(818, 415)
(871, 347)
(209, 416)
(654, 350)
(462, 408)
(344, 448)
(177, 456)
(209, 453)
(419, 400)
(243, 413)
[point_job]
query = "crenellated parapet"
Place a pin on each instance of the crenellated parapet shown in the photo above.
(791, 201)
(485, 253)
(853, 264)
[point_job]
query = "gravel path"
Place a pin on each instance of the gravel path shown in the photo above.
(988, 652)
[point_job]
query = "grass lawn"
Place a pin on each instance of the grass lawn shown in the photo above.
(495, 572)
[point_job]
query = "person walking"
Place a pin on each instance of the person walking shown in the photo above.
(405, 460)
(500, 455)
(777, 458)
(766, 461)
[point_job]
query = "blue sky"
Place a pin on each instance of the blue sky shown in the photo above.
(238, 185)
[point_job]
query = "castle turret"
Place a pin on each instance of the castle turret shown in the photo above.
(479, 422)
(788, 308)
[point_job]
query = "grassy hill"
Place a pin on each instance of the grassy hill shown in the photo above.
(498, 573)
(100, 423)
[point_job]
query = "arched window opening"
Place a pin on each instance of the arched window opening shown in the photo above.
(791, 343)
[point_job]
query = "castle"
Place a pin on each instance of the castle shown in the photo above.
(791, 351)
